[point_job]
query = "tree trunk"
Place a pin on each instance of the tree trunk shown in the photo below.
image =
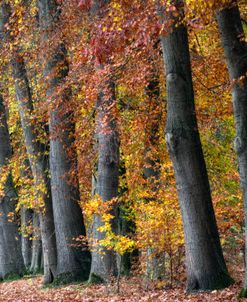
(72, 262)
(26, 243)
(39, 165)
(11, 261)
(235, 47)
(105, 265)
(36, 246)
(35, 152)
(206, 269)
(26, 221)
(155, 260)
(39, 168)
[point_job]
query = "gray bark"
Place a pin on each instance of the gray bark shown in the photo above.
(26, 222)
(36, 246)
(39, 165)
(105, 265)
(72, 262)
(35, 150)
(206, 269)
(26, 243)
(235, 48)
(11, 262)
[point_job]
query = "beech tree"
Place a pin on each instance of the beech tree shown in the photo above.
(39, 165)
(72, 262)
(36, 259)
(26, 244)
(104, 263)
(235, 48)
(11, 261)
(206, 269)
(36, 154)
(155, 260)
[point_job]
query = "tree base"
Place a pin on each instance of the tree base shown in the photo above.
(11, 277)
(209, 284)
(67, 278)
(95, 279)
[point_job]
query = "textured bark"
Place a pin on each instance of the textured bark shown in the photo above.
(39, 165)
(72, 262)
(105, 265)
(35, 150)
(26, 243)
(36, 246)
(235, 48)
(11, 262)
(206, 269)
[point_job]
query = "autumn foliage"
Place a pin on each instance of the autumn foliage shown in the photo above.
(122, 44)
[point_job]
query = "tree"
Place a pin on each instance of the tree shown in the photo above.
(72, 262)
(35, 151)
(235, 48)
(104, 262)
(26, 244)
(36, 259)
(11, 261)
(155, 260)
(39, 165)
(206, 269)
(103, 266)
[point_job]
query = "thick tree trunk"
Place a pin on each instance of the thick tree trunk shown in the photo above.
(206, 269)
(39, 166)
(235, 47)
(35, 151)
(11, 261)
(72, 262)
(105, 265)
(26, 243)
(36, 246)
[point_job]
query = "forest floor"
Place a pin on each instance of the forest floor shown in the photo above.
(132, 289)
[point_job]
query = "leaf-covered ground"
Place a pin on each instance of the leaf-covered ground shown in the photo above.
(133, 289)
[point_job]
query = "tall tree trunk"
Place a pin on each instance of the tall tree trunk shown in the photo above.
(105, 265)
(235, 47)
(26, 222)
(39, 165)
(11, 261)
(72, 262)
(155, 260)
(206, 269)
(26, 243)
(35, 151)
(36, 246)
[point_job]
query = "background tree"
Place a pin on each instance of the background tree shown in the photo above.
(235, 47)
(11, 261)
(206, 269)
(72, 262)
